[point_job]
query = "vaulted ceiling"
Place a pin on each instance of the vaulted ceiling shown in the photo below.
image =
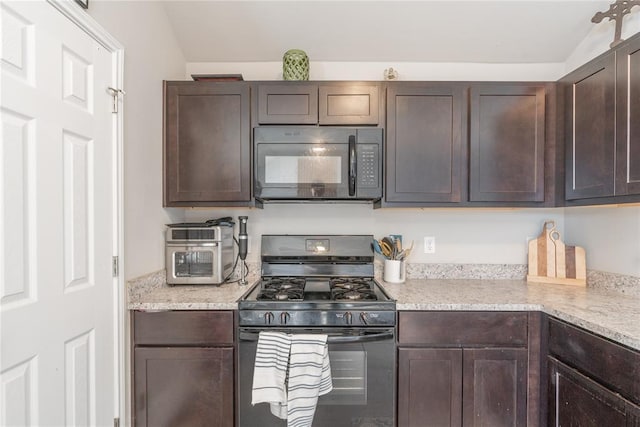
(507, 31)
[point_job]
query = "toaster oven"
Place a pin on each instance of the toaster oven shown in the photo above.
(198, 254)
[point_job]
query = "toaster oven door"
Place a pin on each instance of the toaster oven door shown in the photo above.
(193, 264)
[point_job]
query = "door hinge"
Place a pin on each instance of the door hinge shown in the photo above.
(116, 422)
(115, 267)
(115, 93)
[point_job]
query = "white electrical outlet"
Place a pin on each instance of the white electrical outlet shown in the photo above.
(429, 245)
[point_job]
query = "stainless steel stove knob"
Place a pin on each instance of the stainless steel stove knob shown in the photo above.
(284, 317)
(364, 318)
(348, 318)
(268, 317)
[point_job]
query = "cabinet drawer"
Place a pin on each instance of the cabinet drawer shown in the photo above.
(201, 328)
(451, 328)
(611, 364)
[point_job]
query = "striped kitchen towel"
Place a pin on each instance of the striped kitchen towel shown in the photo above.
(270, 372)
(309, 377)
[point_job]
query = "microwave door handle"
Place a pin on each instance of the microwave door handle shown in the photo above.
(352, 165)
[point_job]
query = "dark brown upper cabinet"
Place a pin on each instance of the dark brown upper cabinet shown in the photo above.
(590, 129)
(288, 103)
(628, 118)
(425, 158)
(507, 143)
(207, 144)
(304, 103)
(355, 104)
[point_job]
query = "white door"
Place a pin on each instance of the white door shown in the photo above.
(58, 296)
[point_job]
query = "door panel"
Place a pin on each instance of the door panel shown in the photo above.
(184, 386)
(628, 119)
(429, 387)
(207, 143)
(577, 400)
(507, 143)
(291, 103)
(495, 387)
(590, 130)
(424, 143)
(348, 105)
(57, 203)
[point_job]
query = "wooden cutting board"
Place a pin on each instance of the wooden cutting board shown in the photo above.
(551, 261)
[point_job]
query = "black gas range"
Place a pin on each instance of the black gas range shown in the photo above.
(323, 284)
(317, 280)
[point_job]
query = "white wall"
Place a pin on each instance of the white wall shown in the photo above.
(151, 55)
(610, 235)
(375, 70)
(599, 39)
(491, 236)
(462, 235)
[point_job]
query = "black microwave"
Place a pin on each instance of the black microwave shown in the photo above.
(317, 163)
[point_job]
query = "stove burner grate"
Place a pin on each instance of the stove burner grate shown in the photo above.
(344, 288)
(282, 289)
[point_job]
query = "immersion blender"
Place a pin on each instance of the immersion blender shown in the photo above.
(243, 242)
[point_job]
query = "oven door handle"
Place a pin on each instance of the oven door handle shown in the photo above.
(341, 339)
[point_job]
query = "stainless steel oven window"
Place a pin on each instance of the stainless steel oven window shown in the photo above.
(193, 263)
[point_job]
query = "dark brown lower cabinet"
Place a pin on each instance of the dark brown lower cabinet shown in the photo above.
(592, 381)
(429, 387)
(183, 368)
(462, 387)
(468, 369)
(494, 390)
(177, 386)
(577, 400)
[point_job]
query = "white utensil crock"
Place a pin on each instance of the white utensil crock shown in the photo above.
(394, 271)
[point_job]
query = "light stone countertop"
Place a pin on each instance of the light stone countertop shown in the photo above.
(608, 313)
(190, 297)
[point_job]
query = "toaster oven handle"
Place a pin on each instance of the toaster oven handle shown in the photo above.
(352, 165)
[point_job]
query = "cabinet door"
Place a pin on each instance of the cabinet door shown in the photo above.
(494, 387)
(429, 387)
(590, 130)
(348, 105)
(507, 143)
(291, 103)
(424, 154)
(628, 118)
(207, 143)
(183, 386)
(576, 400)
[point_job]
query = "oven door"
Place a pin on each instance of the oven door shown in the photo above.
(363, 373)
(314, 163)
(193, 264)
